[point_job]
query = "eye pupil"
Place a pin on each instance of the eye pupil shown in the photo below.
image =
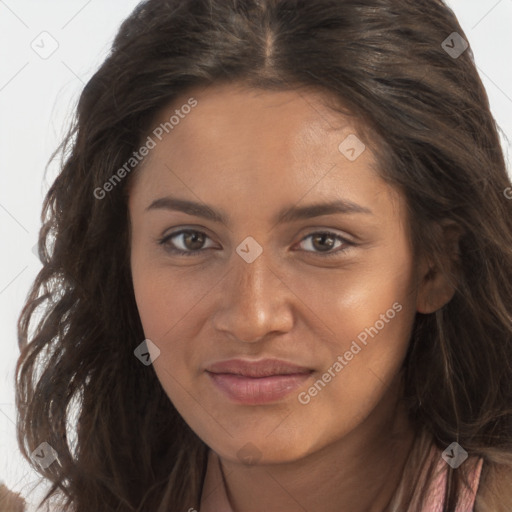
(321, 237)
(195, 236)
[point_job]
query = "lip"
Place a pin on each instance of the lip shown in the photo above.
(257, 382)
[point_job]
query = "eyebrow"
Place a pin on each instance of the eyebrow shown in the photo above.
(286, 215)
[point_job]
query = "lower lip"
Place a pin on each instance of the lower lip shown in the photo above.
(261, 390)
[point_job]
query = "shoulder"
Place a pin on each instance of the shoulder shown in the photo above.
(11, 500)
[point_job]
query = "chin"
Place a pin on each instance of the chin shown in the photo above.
(261, 448)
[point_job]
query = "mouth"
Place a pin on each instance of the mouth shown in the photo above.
(257, 382)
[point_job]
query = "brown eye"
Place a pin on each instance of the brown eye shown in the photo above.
(193, 240)
(187, 242)
(325, 242)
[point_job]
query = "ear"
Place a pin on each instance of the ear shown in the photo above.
(437, 276)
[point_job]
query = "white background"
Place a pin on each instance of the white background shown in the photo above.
(36, 98)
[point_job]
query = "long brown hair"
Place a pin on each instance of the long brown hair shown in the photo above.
(426, 115)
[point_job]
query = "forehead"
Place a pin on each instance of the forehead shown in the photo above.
(232, 116)
(259, 145)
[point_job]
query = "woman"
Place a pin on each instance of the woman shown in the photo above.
(277, 268)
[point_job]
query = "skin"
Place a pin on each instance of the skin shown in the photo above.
(249, 154)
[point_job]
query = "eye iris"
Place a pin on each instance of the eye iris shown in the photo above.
(194, 237)
(322, 237)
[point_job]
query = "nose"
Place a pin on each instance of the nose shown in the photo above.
(255, 302)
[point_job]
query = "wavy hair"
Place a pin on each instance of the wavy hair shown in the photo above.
(122, 446)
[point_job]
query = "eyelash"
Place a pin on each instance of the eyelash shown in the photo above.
(164, 241)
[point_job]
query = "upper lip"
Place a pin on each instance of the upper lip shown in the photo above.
(261, 368)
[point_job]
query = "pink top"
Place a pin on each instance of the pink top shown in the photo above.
(214, 498)
(436, 493)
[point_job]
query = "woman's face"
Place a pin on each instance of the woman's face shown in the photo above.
(259, 178)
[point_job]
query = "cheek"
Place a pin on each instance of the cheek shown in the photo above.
(368, 316)
(166, 296)
(356, 377)
(171, 304)
(165, 308)
(345, 302)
